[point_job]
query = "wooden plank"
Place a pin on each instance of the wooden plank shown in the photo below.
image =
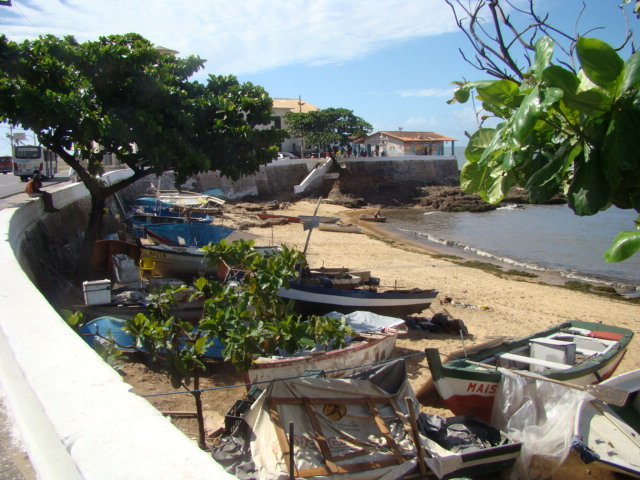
(512, 357)
(320, 438)
(382, 426)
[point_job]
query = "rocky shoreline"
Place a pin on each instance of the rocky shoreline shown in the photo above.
(372, 191)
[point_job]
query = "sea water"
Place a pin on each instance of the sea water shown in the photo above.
(537, 237)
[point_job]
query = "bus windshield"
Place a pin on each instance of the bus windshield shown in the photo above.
(29, 152)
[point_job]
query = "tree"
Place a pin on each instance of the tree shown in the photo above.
(327, 128)
(123, 95)
(566, 125)
(245, 314)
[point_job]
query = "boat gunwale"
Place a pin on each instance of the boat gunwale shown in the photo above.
(462, 369)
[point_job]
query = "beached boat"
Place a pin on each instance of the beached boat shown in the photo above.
(372, 218)
(185, 198)
(184, 262)
(100, 330)
(362, 426)
(376, 338)
(320, 299)
(297, 219)
(581, 353)
(332, 272)
(339, 227)
(610, 435)
(187, 234)
(139, 221)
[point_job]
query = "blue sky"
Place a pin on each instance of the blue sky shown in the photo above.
(390, 61)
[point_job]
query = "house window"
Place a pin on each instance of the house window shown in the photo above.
(278, 122)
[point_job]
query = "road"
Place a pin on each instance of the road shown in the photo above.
(10, 186)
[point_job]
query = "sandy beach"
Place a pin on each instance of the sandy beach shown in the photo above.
(488, 304)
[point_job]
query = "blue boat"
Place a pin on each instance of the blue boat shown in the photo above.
(187, 234)
(97, 331)
(139, 221)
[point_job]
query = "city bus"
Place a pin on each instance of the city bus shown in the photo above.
(29, 158)
(6, 164)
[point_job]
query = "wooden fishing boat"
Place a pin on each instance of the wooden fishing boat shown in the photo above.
(581, 353)
(184, 262)
(374, 342)
(139, 221)
(298, 219)
(320, 299)
(610, 435)
(360, 426)
(372, 218)
(187, 234)
(365, 275)
(100, 330)
(339, 227)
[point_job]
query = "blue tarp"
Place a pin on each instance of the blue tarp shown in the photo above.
(191, 234)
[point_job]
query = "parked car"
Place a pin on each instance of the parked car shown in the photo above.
(286, 155)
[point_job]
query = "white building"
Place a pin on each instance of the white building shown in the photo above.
(282, 106)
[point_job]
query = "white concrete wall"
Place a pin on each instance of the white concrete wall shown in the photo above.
(77, 417)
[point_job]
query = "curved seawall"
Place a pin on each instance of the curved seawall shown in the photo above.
(77, 417)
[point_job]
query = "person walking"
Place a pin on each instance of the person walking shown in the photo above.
(34, 189)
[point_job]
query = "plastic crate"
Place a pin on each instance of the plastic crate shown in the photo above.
(235, 415)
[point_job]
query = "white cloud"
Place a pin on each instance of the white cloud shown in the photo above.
(242, 36)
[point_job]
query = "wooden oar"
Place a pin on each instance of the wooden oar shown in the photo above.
(604, 393)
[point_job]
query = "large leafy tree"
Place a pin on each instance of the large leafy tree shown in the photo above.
(567, 120)
(125, 96)
(327, 128)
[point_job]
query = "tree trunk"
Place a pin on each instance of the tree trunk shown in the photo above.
(92, 232)
(197, 395)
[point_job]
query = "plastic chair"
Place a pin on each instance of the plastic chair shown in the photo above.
(147, 264)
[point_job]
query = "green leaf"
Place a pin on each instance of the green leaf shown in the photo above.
(471, 176)
(625, 245)
(546, 182)
(621, 149)
(556, 76)
(600, 62)
(544, 52)
(500, 92)
(631, 76)
(588, 194)
(525, 119)
(478, 142)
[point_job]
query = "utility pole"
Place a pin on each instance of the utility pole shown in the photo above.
(300, 103)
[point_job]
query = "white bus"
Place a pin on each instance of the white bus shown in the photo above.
(29, 158)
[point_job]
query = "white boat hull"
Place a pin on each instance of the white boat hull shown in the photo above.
(374, 348)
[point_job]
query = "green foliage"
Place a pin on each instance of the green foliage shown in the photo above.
(562, 133)
(123, 94)
(105, 346)
(244, 313)
(328, 127)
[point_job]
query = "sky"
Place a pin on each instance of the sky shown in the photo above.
(389, 61)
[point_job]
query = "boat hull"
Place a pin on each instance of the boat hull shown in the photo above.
(178, 262)
(374, 347)
(610, 435)
(332, 227)
(318, 300)
(470, 389)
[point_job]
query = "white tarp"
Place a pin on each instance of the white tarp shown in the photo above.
(348, 428)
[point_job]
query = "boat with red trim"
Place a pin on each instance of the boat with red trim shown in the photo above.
(581, 353)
